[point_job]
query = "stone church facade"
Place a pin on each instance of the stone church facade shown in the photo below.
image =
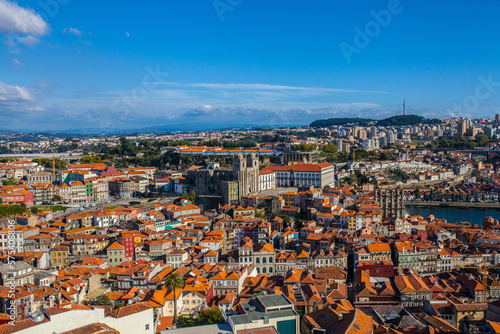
(228, 184)
(246, 172)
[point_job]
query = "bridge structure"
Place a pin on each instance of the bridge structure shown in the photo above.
(473, 151)
(69, 158)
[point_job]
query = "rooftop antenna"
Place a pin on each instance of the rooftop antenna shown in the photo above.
(404, 106)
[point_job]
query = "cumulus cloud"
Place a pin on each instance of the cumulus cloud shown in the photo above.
(17, 62)
(18, 20)
(19, 104)
(127, 34)
(201, 111)
(73, 31)
(21, 26)
(10, 93)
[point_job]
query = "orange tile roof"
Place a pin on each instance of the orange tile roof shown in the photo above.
(115, 245)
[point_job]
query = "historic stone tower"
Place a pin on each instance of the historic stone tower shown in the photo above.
(391, 202)
(246, 172)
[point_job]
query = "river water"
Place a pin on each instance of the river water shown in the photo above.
(452, 215)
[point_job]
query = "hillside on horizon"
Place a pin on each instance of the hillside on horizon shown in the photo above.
(398, 120)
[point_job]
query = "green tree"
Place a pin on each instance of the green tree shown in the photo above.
(330, 148)
(174, 282)
(56, 198)
(483, 197)
(47, 162)
(387, 155)
(1, 200)
(187, 320)
(417, 193)
(34, 210)
(439, 196)
(468, 197)
(102, 300)
(482, 139)
(211, 316)
(190, 196)
(476, 198)
(126, 147)
(303, 147)
(9, 182)
(9, 210)
(431, 194)
(119, 305)
(90, 159)
(145, 143)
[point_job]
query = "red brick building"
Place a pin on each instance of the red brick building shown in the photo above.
(381, 268)
(18, 196)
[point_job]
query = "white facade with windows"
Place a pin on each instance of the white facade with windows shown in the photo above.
(267, 180)
(304, 174)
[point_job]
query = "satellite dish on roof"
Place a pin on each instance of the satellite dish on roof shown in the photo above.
(37, 316)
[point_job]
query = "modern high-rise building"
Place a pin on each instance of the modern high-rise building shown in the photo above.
(362, 134)
(391, 137)
(463, 127)
(338, 143)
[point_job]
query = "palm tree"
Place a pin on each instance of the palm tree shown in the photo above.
(174, 282)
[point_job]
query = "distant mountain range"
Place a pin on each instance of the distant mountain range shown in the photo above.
(111, 131)
(399, 120)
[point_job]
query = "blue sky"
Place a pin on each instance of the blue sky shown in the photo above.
(198, 64)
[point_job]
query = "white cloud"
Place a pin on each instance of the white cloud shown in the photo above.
(17, 62)
(28, 40)
(10, 93)
(127, 34)
(265, 87)
(73, 31)
(13, 42)
(19, 20)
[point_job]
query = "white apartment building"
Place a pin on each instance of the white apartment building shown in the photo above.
(267, 180)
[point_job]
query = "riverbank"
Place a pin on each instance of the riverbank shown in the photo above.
(463, 205)
(455, 214)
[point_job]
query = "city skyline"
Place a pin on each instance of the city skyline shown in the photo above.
(112, 67)
(244, 166)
